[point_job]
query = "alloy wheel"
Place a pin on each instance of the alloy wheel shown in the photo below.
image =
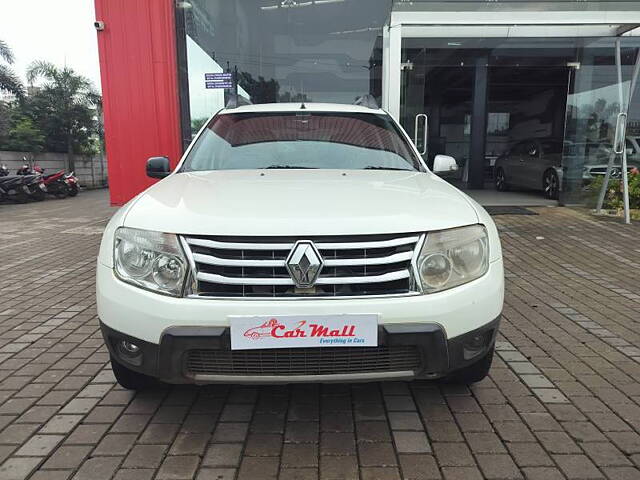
(501, 183)
(550, 183)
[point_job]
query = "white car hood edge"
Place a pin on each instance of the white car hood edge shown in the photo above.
(300, 203)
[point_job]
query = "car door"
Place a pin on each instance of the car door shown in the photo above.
(529, 164)
(550, 158)
(512, 164)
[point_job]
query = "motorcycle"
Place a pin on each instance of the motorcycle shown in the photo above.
(56, 183)
(74, 186)
(21, 188)
(25, 169)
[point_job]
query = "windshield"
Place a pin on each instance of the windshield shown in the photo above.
(326, 140)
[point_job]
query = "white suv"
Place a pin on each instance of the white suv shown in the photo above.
(300, 243)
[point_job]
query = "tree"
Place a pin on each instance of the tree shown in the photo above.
(25, 137)
(64, 108)
(9, 81)
(261, 90)
(5, 122)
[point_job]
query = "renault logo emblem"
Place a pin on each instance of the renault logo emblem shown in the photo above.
(304, 264)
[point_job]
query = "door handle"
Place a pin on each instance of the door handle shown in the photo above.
(619, 135)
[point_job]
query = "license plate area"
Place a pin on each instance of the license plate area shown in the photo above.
(300, 331)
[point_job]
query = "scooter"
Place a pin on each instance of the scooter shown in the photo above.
(21, 188)
(56, 183)
(25, 169)
(72, 182)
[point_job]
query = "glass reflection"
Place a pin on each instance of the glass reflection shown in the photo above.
(284, 51)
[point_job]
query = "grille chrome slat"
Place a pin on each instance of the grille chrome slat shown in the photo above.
(232, 262)
(330, 262)
(288, 246)
(356, 265)
(355, 262)
(387, 277)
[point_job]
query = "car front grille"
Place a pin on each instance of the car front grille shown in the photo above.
(256, 266)
(303, 361)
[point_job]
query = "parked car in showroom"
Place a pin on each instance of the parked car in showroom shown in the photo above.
(597, 156)
(300, 243)
(534, 164)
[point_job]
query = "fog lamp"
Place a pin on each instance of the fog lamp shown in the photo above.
(128, 348)
(129, 352)
(474, 345)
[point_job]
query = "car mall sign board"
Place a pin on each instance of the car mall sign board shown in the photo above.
(295, 331)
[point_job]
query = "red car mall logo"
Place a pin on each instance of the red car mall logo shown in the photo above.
(303, 329)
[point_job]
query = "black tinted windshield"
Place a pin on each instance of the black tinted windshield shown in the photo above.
(326, 140)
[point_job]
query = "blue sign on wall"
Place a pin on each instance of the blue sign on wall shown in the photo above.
(218, 80)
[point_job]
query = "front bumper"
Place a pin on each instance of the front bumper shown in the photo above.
(146, 315)
(438, 326)
(435, 356)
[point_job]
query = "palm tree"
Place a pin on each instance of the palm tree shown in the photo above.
(9, 81)
(75, 93)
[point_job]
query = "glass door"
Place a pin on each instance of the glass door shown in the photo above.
(594, 110)
(435, 94)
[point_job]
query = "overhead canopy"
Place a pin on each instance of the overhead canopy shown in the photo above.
(516, 18)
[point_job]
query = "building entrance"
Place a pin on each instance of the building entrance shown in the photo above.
(515, 95)
(537, 116)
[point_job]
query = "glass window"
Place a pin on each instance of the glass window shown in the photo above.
(593, 105)
(235, 141)
(280, 51)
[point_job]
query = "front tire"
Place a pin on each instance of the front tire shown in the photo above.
(73, 190)
(473, 373)
(130, 379)
(38, 195)
(61, 191)
(550, 184)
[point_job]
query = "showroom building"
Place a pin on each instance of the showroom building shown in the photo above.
(475, 78)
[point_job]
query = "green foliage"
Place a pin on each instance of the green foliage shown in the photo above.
(197, 123)
(63, 125)
(60, 115)
(613, 196)
(64, 108)
(9, 81)
(25, 137)
(5, 121)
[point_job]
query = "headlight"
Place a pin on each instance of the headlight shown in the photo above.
(452, 257)
(151, 260)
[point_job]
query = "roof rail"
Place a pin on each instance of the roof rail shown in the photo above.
(236, 101)
(367, 101)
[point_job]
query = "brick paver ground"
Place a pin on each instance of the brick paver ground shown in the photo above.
(562, 400)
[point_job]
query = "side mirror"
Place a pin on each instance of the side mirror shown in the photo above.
(444, 163)
(158, 167)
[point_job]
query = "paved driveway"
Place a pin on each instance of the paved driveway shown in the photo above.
(562, 400)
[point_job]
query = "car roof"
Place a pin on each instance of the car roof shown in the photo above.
(297, 107)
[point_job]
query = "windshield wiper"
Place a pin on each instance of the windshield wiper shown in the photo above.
(371, 167)
(287, 166)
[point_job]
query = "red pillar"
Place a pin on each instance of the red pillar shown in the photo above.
(138, 70)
